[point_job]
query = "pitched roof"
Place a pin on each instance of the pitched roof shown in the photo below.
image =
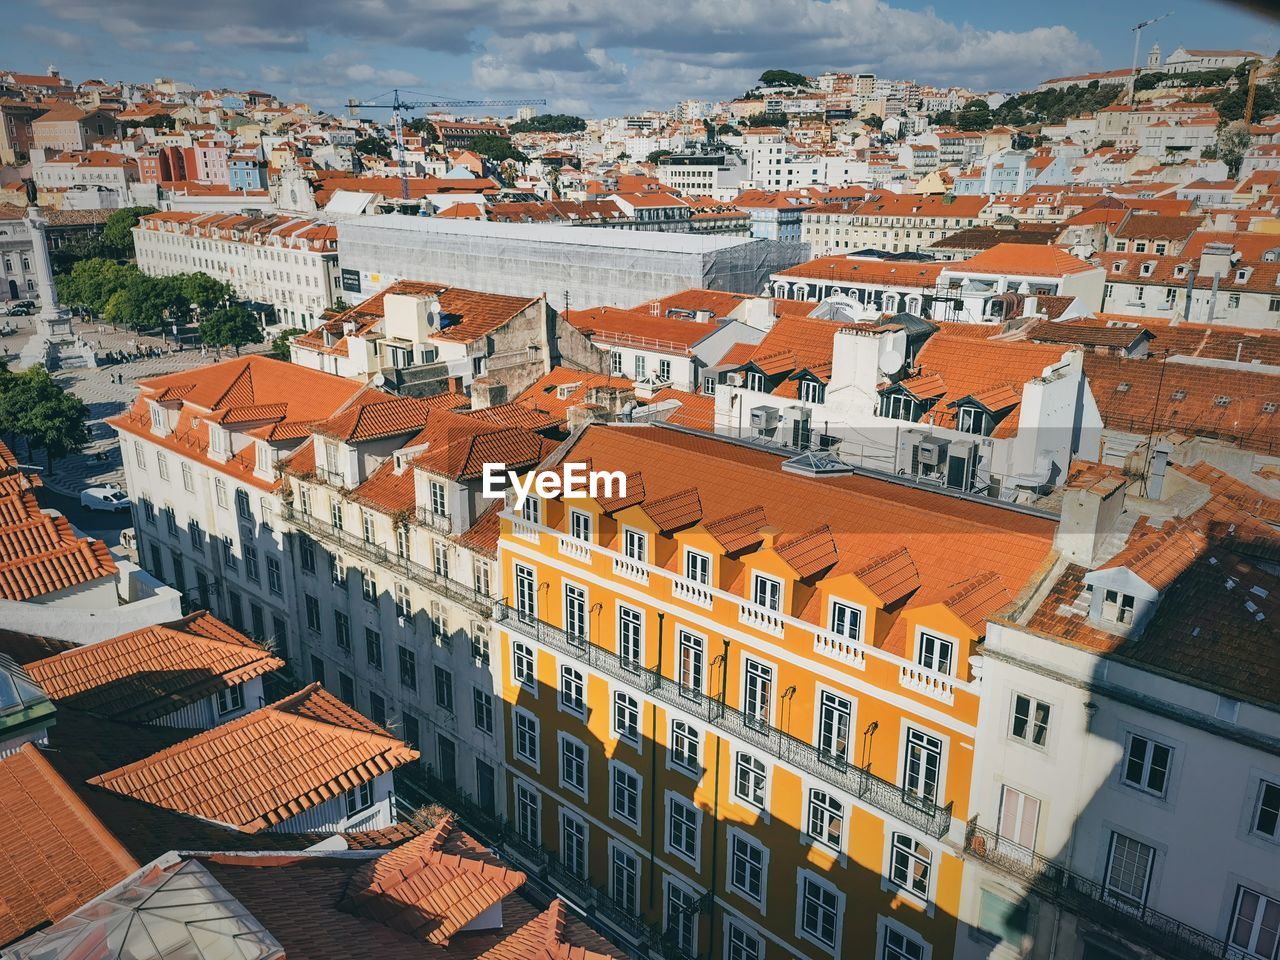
(55, 855)
(41, 554)
(152, 672)
(428, 891)
(688, 476)
(267, 766)
(989, 372)
(1023, 260)
(892, 273)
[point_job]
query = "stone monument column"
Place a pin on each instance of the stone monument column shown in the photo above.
(53, 321)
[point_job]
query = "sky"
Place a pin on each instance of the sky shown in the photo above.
(596, 57)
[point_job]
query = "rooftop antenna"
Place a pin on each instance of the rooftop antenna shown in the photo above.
(1137, 38)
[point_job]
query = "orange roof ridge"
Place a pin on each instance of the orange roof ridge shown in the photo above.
(890, 576)
(680, 509)
(635, 494)
(262, 768)
(55, 854)
(810, 553)
(152, 672)
(429, 893)
(740, 530)
(976, 598)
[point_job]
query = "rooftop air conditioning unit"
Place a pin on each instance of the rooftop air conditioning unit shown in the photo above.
(932, 451)
(764, 418)
(733, 379)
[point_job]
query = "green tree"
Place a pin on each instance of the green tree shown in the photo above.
(974, 115)
(280, 343)
(874, 122)
(496, 148)
(91, 283)
(657, 156)
(775, 119)
(549, 123)
(1233, 141)
(373, 146)
(725, 128)
(783, 78)
(146, 304)
(234, 326)
(117, 232)
(423, 128)
(34, 406)
(203, 292)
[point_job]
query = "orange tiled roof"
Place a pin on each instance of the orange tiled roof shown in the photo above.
(428, 892)
(40, 554)
(152, 672)
(891, 273)
(267, 766)
(989, 372)
(55, 855)
(1024, 260)
(829, 527)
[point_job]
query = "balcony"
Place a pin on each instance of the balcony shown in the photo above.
(326, 532)
(885, 796)
(441, 523)
(927, 682)
(760, 618)
(525, 530)
(690, 592)
(575, 549)
(631, 570)
(841, 649)
(1089, 899)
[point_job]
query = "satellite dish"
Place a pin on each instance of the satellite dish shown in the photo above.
(379, 380)
(890, 362)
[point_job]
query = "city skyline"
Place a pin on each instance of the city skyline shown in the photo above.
(598, 59)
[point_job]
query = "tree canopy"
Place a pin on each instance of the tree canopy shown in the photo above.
(35, 407)
(496, 148)
(234, 326)
(783, 78)
(657, 156)
(280, 342)
(549, 123)
(766, 119)
(974, 115)
(373, 146)
(1052, 106)
(423, 128)
(117, 232)
(91, 283)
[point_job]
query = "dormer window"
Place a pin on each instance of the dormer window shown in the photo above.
(580, 525)
(1147, 268)
(531, 510)
(1242, 276)
(219, 441)
(766, 592)
(1117, 267)
(264, 458)
(935, 653)
(1180, 270)
(1117, 607)
(159, 422)
(972, 420)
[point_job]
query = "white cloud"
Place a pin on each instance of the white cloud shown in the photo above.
(613, 54)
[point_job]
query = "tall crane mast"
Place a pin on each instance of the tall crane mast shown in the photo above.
(1257, 72)
(397, 106)
(1137, 38)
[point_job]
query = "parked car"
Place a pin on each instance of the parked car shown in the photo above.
(18, 310)
(109, 498)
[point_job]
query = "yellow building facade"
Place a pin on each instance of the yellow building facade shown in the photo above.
(739, 708)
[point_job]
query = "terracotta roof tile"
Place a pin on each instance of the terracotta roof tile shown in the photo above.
(738, 531)
(810, 553)
(890, 576)
(155, 671)
(266, 766)
(55, 855)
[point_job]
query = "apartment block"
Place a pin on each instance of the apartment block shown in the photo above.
(739, 700)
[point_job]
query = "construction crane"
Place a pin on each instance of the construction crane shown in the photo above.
(396, 106)
(1256, 73)
(1137, 38)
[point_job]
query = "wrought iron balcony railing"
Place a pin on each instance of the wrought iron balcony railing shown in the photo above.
(410, 569)
(888, 797)
(1090, 899)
